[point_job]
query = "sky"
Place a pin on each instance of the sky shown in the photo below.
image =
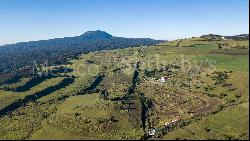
(27, 20)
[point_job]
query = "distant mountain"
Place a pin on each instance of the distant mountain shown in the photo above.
(56, 51)
(88, 37)
(98, 34)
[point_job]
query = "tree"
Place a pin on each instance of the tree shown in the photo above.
(219, 46)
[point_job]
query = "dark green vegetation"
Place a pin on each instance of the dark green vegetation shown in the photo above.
(120, 94)
(17, 59)
(218, 37)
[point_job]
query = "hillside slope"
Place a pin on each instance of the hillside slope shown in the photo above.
(16, 56)
(155, 92)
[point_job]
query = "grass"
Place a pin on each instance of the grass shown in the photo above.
(64, 115)
(75, 102)
(90, 109)
(203, 41)
(219, 126)
(8, 97)
(21, 82)
(227, 62)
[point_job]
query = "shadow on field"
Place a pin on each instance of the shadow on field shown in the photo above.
(30, 98)
(31, 83)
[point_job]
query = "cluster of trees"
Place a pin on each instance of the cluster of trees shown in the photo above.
(56, 51)
(238, 37)
(214, 37)
(14, 76)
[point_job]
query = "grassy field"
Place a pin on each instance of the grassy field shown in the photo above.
(229, 124)
(206, 87)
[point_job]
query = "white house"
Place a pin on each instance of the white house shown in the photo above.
(223, 38)
(151, 132)
(162, 80)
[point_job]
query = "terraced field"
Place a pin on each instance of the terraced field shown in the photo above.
(118, 94)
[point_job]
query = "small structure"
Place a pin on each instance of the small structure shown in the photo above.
(167, 124)
(162, 80)
(223, 38)
(172, 122)
(151, 132)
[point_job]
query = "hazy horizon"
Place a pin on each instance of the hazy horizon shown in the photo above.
(165, 20)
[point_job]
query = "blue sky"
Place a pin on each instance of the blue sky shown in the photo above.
(25, 20)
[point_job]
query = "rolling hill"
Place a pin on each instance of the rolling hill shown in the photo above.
(195, 91)
(17, 58)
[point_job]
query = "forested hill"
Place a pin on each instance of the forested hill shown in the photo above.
(56, 50)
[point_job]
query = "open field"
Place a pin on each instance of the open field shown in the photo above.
(119, 94)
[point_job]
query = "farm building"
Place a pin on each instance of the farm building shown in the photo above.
(163, 79)
(151, 132)
(173, 122)
(223, 38)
